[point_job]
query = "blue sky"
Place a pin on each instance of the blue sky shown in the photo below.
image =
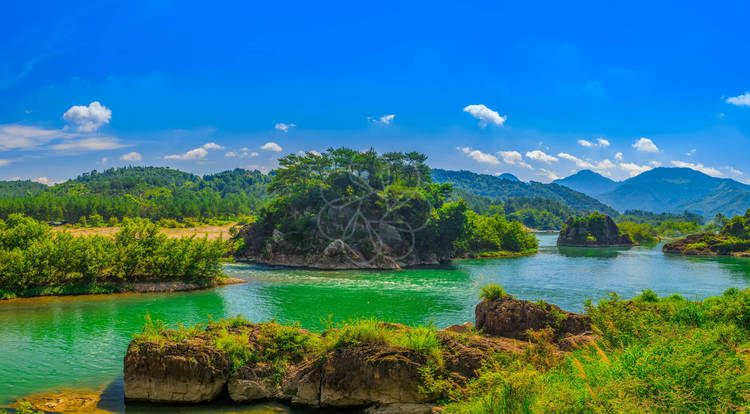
(538, 90)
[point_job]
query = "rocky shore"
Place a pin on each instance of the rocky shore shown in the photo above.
(376, 366)
(707, 244)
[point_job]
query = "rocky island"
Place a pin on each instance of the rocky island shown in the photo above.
(596, 230)
(346, 209)
(732, 240)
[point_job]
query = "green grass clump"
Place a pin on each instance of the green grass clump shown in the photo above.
(236, 346)
(23, 408)
(492, 292)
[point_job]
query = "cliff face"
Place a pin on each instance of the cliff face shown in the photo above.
(597, 230)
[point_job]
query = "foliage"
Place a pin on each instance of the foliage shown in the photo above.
(23, 408)
(149, 192)
(494, 234)
(491, 292)
(639, 232)
(33, 257)
(654, 355)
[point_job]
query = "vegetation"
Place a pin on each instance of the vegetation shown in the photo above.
(654, 355)
(533, 212)
(734, 237)
(642, 233)
(379, 205)
(491, 292)
(35, 260)
(148, 192)
(496, 188)
(595, 229)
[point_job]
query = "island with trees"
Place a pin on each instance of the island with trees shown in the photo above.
(732, 240)
(595, 230)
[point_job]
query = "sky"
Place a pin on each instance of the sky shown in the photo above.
(539, 89)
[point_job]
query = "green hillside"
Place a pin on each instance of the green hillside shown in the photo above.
(17, 189)
(494, 187)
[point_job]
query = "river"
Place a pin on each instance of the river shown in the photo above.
(49, 344)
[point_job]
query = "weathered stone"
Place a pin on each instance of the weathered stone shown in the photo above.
(65, 402)
(183, 372)
(572, 342)
(463, 328)
(511, 318)
(252, 383)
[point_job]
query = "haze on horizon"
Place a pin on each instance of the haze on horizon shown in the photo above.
(538, 91)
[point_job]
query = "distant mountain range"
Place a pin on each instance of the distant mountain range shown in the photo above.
(504, 188)
(672, 190)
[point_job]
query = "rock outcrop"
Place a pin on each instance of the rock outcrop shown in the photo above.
(596, 230)
(512, 318)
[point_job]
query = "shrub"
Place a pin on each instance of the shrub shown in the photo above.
(491, 292)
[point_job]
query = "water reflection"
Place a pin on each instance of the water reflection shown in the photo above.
(605, 252)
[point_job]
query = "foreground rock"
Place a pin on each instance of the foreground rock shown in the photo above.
(513, 318)
(596, 230)
(65, 402)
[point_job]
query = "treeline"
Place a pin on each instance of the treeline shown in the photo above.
(147, 192)
(34, 259)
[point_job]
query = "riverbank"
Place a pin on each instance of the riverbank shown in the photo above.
(210, 232)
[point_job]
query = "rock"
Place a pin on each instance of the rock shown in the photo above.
(463, 328)
(572, 342)
(693, 245)
(183, 372)
(400, 409)
(511, 318)
(65, 402)
(252, 383)
(596, 230)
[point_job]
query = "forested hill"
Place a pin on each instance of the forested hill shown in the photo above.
(17, 189)
(494, 187)
(152, 192)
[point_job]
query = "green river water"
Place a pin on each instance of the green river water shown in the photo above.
(49, 344)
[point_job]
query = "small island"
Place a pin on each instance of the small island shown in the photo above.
(596, 230)
(732, 240)
(346, 209)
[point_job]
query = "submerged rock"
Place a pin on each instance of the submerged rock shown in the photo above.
(65, 402)
(511, 318)
(596, 230)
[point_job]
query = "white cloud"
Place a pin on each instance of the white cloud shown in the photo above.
(47, 181)
(655, 163)
(383, 120)
(646, 145)
(212, 145)
(699, 167)
(88, 144)
(194, 154)
(540, 156)
(734, 171)
(584, 143)
(634, 169)
(740, 100)
(690, 153)
(271, 146)
(579, 162)
(485, 115)
(602, 142)
(231, 154)
(514, 158)
(549, 174)
(479, 156)
(243, 154)
(16, 136)
(131, 156)
(104, 161)
(605, 165)
(284, 127)
(88, 118)
(618, 156)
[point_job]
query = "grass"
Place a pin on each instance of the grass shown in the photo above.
(492, 292)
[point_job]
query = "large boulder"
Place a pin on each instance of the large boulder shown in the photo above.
(512, 318)
(174, 372)
(596, 230)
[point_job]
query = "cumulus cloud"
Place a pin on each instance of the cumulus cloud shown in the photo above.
(194, 154)
(485, 115)
(646, 145)
(540, 156)
(579, 162)
(633, 169)
(549, 174)
(47, 181)
(244, 153)
(131, 156)
(600, 142)
(514, 158)
(740, 100)
(271, 146)
(383, 120)
(699, 167)
(87, 118)
(480, 156)
(212, 145)
(284, 127)
(735, 171)
(618, 156)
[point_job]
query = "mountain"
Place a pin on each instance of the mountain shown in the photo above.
(588, 182)
(18, 189)
(675, 190)
(495, 187)
(508, 176)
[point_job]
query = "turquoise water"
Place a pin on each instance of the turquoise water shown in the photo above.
(49, 344)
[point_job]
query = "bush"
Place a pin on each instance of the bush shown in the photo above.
(491, 292)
